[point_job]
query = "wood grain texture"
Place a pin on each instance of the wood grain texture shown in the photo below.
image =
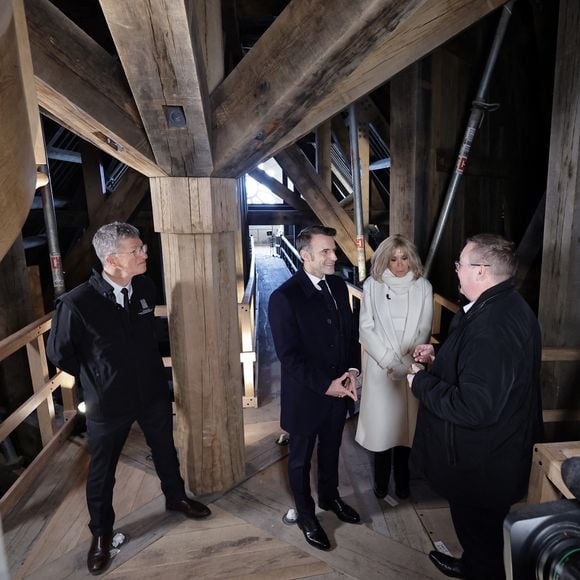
(276, 101)
(559, 308)
(17, 161)
(80, 85)
(194, 206)
(409, 177)
(320, 200)
(196, 219)
(158, 43)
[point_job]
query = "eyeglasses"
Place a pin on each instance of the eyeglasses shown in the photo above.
(136, 252)
(459, 265)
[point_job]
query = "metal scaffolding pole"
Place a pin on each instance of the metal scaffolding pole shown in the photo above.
(356, 193)
(52, 234)
(478, 108)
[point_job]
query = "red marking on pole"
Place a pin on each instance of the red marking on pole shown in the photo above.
(360, 242)
(461, 163)
(55, 262)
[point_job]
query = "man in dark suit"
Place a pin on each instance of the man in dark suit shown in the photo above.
(317, 344)
(103, 333)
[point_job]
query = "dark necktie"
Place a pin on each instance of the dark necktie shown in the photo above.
(125, 293)
(330, 302)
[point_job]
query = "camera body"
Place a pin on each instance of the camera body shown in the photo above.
(543, 541)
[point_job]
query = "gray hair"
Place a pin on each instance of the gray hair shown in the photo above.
(497, 251)
(305, 236)
(106, 239)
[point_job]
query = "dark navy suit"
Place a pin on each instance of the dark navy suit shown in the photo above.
(315, 343)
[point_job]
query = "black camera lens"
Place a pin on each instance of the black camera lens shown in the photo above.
(558, 550)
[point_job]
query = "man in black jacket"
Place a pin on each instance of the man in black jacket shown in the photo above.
(317, 344)
(103, 334)
(480, 411)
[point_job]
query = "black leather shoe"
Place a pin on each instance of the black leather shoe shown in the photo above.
(379, 492)
(342, 510)
(452, 567)
(188, 507)
(313, 533)
(402, 492)
(99, 556)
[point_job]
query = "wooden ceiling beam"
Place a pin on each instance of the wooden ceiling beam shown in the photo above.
(290, 197)
(320, 199)
(159, 45)
(83, 88)
(267, 103)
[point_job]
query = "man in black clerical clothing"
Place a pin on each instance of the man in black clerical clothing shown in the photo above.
(481, 409)
(103, 334)
(317, 344)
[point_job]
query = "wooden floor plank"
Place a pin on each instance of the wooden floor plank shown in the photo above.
(437, 522)
(358, 551)
(278, 563)
(245, 536)
(68, 526)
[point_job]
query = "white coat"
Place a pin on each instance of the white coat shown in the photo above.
(388, 409)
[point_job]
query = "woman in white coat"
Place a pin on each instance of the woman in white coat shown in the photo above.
(396, 314)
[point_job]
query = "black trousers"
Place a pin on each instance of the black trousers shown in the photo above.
(329, 437)
(480, 532)
(383, 459)
(106, 440)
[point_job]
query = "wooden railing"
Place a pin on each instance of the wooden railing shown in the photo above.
(53, 430)
(288, 253)
(247, 318)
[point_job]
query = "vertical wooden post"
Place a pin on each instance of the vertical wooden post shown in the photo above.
(408, 148)
(364, 154)
(559, 309)
(197, 218)
(323, 146)
(39, 374)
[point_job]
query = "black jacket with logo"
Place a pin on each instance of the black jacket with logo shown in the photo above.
(481, 411)
(113, 352)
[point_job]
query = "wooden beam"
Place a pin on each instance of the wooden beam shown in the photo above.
(409, 150)
(364, 156)
(290, 197)
(559, 308)
(320, 199)
(159, 46)
(197, 220)
(83, 88)
(274, 216)
(63, 155)
(323, 160)
(208, 15)
(274, 102)
(17, 155)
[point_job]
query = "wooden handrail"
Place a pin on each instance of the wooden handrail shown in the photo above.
(12, 343)
(250, 290)
(61, 379)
